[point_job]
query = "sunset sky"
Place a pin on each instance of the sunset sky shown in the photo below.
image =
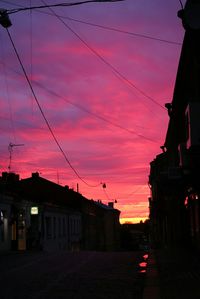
(101, 73)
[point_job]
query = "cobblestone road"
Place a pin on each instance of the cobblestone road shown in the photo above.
(80, 275)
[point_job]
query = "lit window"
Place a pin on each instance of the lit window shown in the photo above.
(2, 217)
(34, 210)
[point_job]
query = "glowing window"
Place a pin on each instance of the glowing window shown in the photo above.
(1, 216)
(34, 210)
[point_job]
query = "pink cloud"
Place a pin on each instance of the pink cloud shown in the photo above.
(89, 106)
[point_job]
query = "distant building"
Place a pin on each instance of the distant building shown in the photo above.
(135, 236)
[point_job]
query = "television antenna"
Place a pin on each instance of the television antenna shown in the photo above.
(10, 149)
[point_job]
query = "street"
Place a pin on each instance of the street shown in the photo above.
(77, 275)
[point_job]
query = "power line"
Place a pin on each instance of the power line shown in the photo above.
(94, 114)
(122, 31)
(43, 115)
(130, 194)
(88, 111)
(11, 11)
(108, 27)
(104, 190)
(119, 74)
(31, 51)
(116, 72)
(100, 117)
(121, 77)
(181, 3)
(8, 94)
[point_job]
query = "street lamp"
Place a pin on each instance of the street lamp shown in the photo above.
(4, 18)
(190, 15)
(5, 21)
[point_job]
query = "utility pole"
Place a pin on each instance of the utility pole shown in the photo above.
(10, 149)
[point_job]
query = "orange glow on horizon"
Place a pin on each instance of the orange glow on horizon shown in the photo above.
(132, 220)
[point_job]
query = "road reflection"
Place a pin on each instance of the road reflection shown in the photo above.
(143, 265)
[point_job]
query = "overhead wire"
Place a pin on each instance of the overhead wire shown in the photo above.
(102, 118)
(55, 94)
(123, 128)
(94, 114)
(8, 96)
(82, 108)
(124, 197)
(43, 115)
(22, 123)
(31, 52)
(106, 27)
(133, 192)
(181, 3)
(122, 31)
(118, 126)
(104, 191)
(12, 11)
(116, 72)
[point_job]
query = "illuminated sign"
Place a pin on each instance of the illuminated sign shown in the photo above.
(34, 210)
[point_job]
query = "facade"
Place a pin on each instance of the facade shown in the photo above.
(135, 236)
(167, 210)
(111, 226)
(5, 215)
(34, 216)
(39, 214)
(174, 174)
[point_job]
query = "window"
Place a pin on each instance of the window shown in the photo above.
(1, 216)
(2, 235)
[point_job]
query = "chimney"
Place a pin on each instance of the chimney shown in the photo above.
(111, 204)
(35, 175)
(10, 177)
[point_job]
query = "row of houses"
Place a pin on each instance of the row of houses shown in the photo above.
(175, 173)
(36, 213)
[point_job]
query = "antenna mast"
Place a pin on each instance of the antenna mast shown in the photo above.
(10, 149)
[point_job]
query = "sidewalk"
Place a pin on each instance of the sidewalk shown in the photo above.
(173, 274)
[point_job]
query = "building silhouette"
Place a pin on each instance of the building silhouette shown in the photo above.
(175, 173)
(39, 214)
